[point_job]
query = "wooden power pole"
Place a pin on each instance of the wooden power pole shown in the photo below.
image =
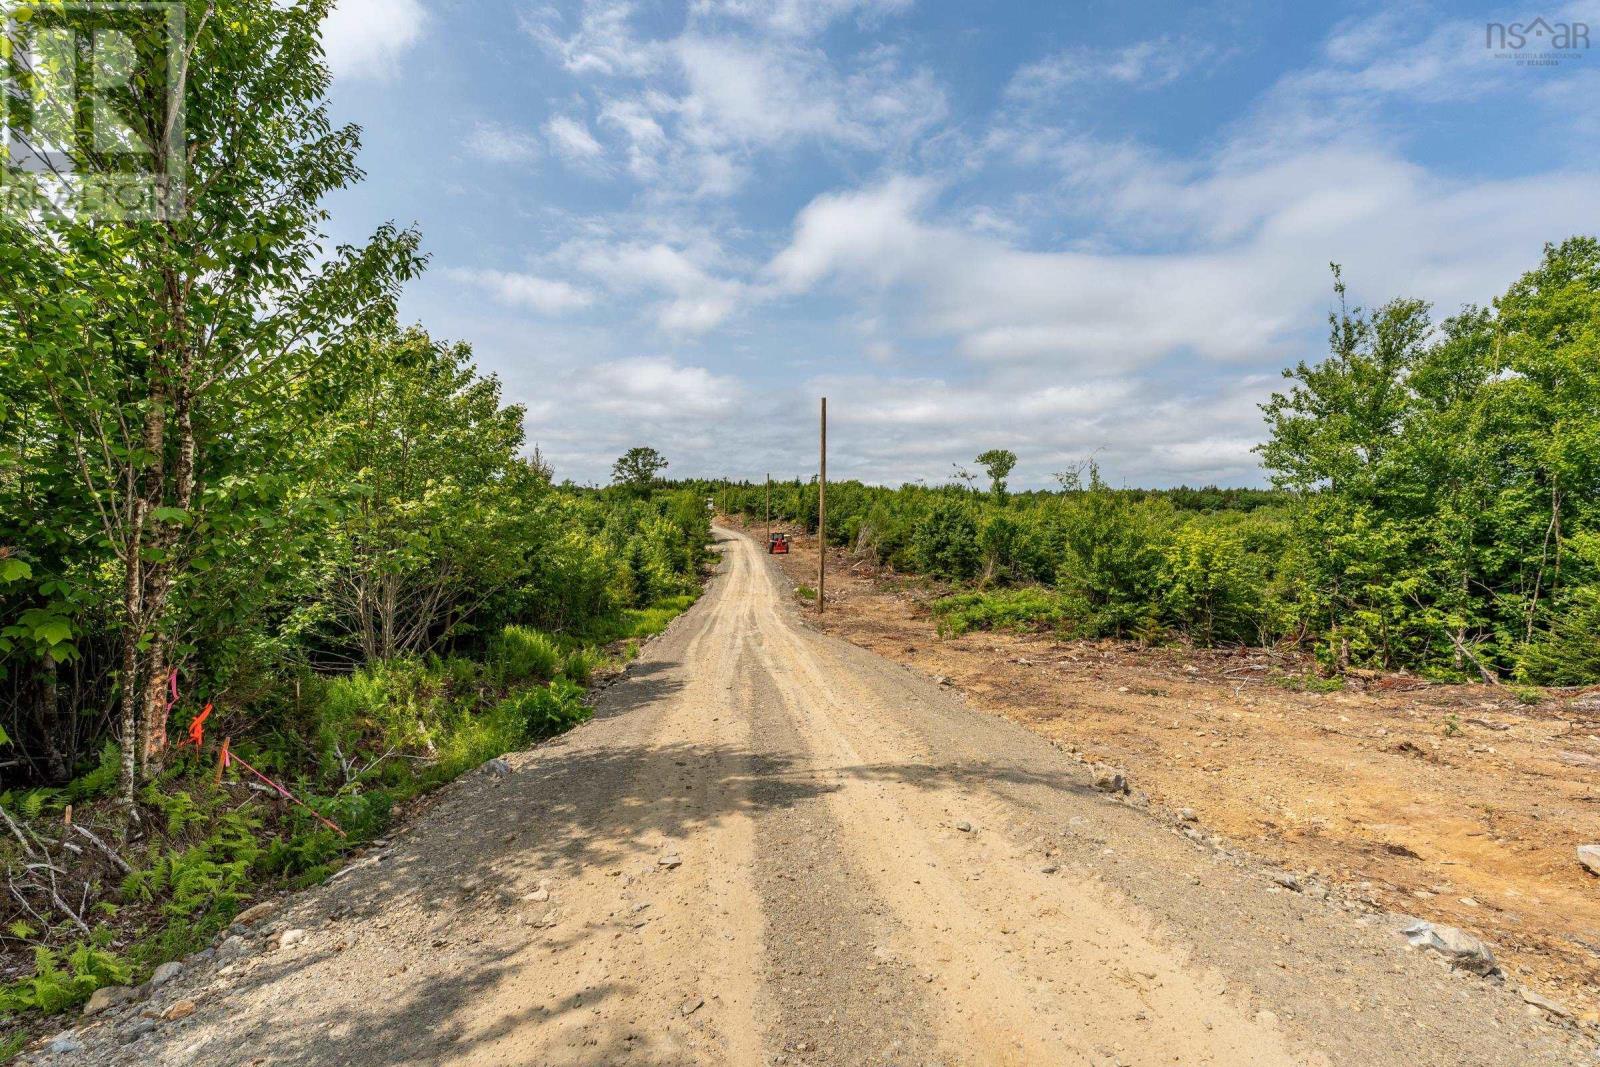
(822, 514)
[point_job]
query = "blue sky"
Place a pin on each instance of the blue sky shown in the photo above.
(1071, 229)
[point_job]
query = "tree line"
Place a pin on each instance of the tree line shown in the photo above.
(1435, 507)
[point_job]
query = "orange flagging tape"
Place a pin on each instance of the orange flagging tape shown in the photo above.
(197, 729)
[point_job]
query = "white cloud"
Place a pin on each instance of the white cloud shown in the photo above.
(697, 300)
(572, 141)
(366, 38)
(796, 18)
(602, 42)
(698, 108)
(1246, 288)
(546, 295)
(501, 144)
(1152, 430)
(1022, 283)
(1374, 66)
(870, 232)
(646, 139)
(1144, 65)
(657, 390)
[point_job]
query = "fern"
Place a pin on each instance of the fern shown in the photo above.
(210, 876)
(102, 779)
(33, 803)
(179, 807)
(60, 982)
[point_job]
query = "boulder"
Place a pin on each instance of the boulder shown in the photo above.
(180, 1010)
(1589, 856)
(1462, 949)
(66, 1044)
(107, 997)
(255, 913)
(1109, 780)
(234, 948)
(165, 973)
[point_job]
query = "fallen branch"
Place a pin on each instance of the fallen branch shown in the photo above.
(1489, 676)
(44, 924)
(17, 830)
(55, 896)
(111, 853)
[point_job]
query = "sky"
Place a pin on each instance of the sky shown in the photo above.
(1071, 230)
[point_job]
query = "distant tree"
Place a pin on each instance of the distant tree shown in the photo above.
(999, 462)
(540, 467)
(637, 468)
(1084, 475)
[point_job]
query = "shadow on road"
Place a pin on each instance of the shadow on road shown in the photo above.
(573, 803)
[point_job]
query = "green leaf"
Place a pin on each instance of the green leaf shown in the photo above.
(15, 570)
(53, 632)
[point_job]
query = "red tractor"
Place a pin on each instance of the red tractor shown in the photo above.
(778, 544)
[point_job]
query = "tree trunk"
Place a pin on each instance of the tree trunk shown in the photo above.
(153, 735)
(134, 617)
(159, 581)
(47, 719)
(153, 723)
(130, 671)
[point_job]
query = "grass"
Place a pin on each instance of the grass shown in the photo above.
(636, 623)
(520, 654)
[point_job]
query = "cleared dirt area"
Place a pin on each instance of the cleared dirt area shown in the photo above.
(1458, 804)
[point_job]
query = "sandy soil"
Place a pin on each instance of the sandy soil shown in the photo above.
(1459, 804)
(772, 846)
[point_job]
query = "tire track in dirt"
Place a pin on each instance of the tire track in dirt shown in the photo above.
(1028, 969)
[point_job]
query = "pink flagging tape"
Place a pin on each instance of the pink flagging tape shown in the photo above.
(228, 756)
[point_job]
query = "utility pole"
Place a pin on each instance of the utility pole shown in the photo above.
(822, 515)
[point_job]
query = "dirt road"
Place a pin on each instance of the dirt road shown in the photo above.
(1462, 804)
(771, 846)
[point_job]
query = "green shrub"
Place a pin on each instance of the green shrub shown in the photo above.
(1112, 559)
(945, 543)
(547, 710)
(1569, 654)
(101, 779)
(1214, 585)
(637, 622)
(579, 666)
(522, 655)
(1028, 608)
(394, 703)
(999, 539)
(214, 875)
